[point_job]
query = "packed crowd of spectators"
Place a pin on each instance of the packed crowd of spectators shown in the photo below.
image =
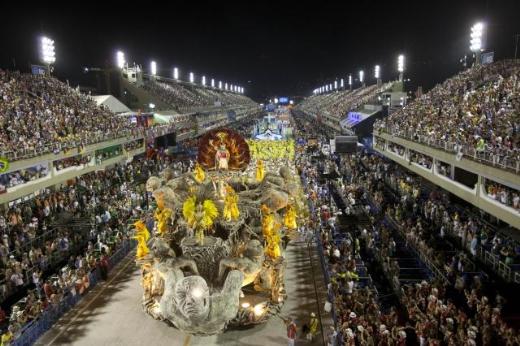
(183, 97)
(337, 104)
(22, 176)
(503, 194)
(474, 112)
(73, 161)
(455, 308)
(77, 226)
(40, 114)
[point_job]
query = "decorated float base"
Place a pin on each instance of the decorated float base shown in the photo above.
(215, 259)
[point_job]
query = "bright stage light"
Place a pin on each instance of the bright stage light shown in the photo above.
(175, 73)
(153, 68)
(377, 71)
(400, 63)
(225, 86)
(342, 83)
(120, 57)
(336, 84)
(212, 82)
(259, 309)
(476, 37)
(48, 54)
(204, 80)
(361, 76)
(220, 84)
(192, 77)
(349, 79)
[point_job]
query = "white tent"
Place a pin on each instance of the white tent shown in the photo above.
(113, 104)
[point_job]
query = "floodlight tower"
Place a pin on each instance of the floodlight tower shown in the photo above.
(350, 82)
(175, 73)
(342, 83)
(476, 40)
(362, 77)
(203, 80)
(377, 74)
(192, 77)
(400, 66)
(48, 54)
(153, 69)
(213, 82)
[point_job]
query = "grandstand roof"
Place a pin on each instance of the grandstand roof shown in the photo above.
(112, 103)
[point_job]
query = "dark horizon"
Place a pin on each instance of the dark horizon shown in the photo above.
(270, 50)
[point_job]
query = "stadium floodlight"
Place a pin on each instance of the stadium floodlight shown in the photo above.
(47, 51)
(336, 85)
(175, 73)
(220, 84)
(225, 86)
(276, 100)
(342, 83)
(476, 37)
(153, 68)
(361, 76)
(120, 57)
(400, 66)
(377, 71)
(326, 88)
(291, 102)
(330, 86)
(350, 81)
(212, 82)
(192, 77)
(204, 80)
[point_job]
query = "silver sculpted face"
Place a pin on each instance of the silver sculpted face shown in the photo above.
(192, 297)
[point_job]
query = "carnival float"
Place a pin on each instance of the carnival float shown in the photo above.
(215, 258)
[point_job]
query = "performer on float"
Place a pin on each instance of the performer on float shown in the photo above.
(222, 158)
(260, 171)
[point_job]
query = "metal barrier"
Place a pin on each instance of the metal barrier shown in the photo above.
(34, 329)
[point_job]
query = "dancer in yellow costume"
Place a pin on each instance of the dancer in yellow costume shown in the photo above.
(142, 235)
(231, 211)
(260, 170)
(199, 216)
(198, 173)
(290, 217)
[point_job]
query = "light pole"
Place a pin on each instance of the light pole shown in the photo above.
(476, 40)
(350, 82)
(377, 74)
(400, 66)
(120, 59)
(362, 77)
(48, 54)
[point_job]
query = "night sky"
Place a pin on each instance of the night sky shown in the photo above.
(269, 48)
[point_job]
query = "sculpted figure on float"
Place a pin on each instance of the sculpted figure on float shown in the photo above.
(249, 263)
(188, 303)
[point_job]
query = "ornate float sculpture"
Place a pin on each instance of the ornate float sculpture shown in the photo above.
(215, 258)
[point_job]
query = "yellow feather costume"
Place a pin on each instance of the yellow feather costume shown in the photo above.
(231, 211)
(290, 217)
(142, 235)
(199, 216)
(198, 174)
(260, 170)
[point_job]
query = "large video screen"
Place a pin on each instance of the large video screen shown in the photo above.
(283, 100)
